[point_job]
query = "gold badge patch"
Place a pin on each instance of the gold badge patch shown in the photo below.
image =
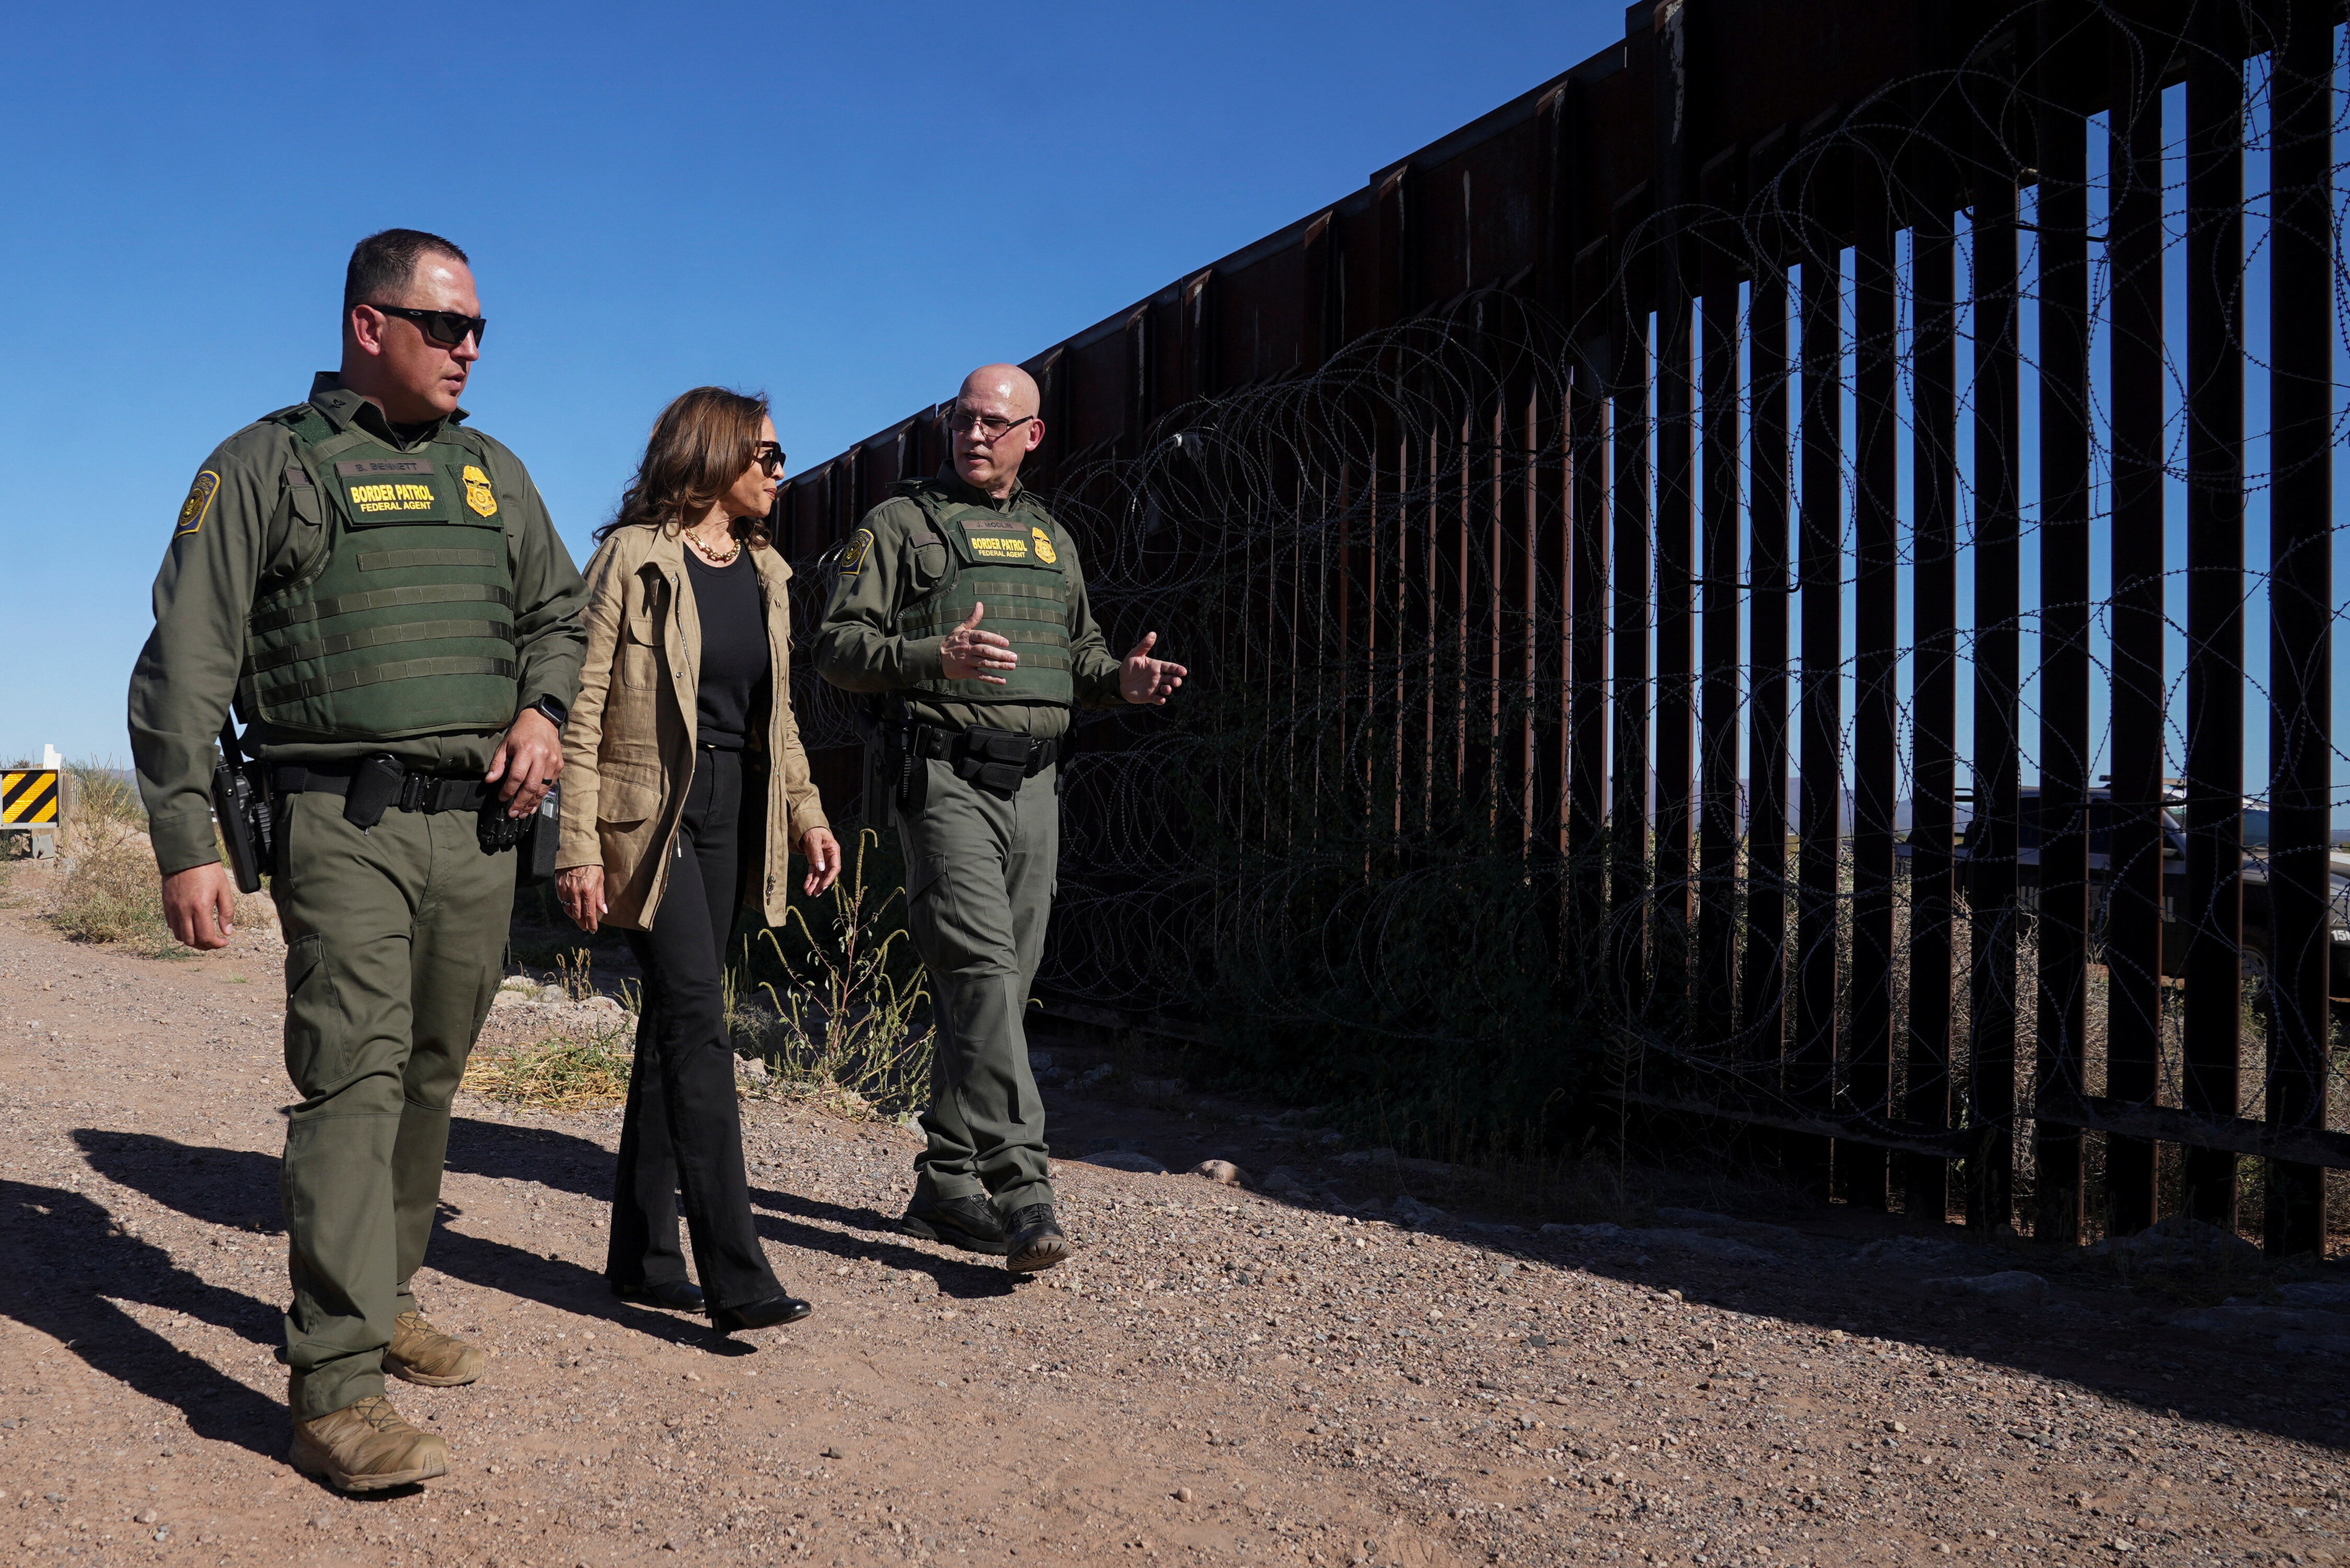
(199, 502)
(852, 555)
(1044, 551)
(478, 494)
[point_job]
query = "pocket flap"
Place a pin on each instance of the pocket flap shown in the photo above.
(626, 789)
(924, 871)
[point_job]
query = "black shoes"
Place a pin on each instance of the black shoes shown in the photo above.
(684, 1295)
(1035, 1241)
(966, 1222)
(678, 1295)
(772, 1313)
(1032, 1240)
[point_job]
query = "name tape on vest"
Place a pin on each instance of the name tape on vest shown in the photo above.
(376, 467)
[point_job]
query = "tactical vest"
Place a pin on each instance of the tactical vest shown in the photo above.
(402, 621)
(1013, 566)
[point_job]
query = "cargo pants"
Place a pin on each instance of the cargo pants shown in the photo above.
(395, 941)
(980, 872)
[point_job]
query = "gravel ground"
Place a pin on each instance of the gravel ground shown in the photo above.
(1219, 1376)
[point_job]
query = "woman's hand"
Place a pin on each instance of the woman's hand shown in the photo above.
(581, 888)
(823, 852)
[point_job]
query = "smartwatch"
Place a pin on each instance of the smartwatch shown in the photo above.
(548, 709)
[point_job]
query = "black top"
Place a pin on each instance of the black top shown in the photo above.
(735, 664)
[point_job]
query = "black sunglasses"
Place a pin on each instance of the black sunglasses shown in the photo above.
(769, 457)
(445, 327)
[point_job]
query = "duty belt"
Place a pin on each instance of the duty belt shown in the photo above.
(998, 760)
(371, 785)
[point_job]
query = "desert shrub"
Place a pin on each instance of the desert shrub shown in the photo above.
(103, 797)
(833, 1001)
(111, 890)
(559, 1073)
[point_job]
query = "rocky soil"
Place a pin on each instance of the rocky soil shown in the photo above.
(1341, 1373)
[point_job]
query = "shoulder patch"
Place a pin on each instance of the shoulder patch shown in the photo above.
(1044, 551)
(852, 556)
(478, 494)
(199, 502)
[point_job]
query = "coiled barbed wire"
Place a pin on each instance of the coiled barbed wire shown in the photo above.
(1342, 843)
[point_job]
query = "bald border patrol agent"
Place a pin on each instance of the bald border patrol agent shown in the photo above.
(960, 611)
(380, 588)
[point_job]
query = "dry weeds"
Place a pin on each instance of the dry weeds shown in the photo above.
(556, 1072)
(112, 890)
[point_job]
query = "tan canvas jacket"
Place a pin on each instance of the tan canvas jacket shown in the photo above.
(629, 752)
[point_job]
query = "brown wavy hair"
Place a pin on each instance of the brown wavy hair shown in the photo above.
(700, 447)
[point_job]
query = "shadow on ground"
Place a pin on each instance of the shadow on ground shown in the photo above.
(65, 1265)
(827, 1231)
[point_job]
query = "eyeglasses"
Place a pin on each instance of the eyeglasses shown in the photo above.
(445, 327)
(769, 457)
(960, 418)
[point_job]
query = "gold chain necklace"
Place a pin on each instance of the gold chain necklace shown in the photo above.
(707, 554)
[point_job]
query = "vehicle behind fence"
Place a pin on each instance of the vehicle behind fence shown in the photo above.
(1763, 578)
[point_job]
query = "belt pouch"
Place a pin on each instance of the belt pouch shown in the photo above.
(374, 784)
(994, 760)
(540, 844)
(1002, 779)
(880, 777)
(913, 776)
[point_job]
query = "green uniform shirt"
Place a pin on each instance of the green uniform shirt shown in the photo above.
(859, 648)
(245, 539)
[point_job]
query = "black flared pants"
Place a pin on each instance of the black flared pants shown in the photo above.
(682, 1132)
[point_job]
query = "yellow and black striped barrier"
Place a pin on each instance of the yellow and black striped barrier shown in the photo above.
(28, 797)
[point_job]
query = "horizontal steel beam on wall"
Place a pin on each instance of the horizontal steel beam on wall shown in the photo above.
(1907, 1138)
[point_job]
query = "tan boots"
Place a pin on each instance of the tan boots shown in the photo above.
(420, 1353)
(369, 1446)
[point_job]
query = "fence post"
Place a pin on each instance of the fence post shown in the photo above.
(1717, 937)
(1673, 107)
(1763, 976)
(1926, 1182)
(2135, 857)
(2215, 595)
(2062, 901)
(2300, 602)
(1992, 836)
(1632, 602)
(1820, 567)
(1862, 1169)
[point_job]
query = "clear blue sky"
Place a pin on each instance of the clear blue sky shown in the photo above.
(847, 205)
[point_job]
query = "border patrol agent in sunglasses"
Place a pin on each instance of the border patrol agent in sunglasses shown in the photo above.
(959, 610)
(380, 588)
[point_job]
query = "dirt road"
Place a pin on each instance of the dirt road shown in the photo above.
(1219, 1377)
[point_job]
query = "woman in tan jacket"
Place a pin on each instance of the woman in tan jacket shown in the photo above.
(684, 781)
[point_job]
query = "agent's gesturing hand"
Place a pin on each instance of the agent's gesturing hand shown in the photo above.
(967, 653)
(1143, 679)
